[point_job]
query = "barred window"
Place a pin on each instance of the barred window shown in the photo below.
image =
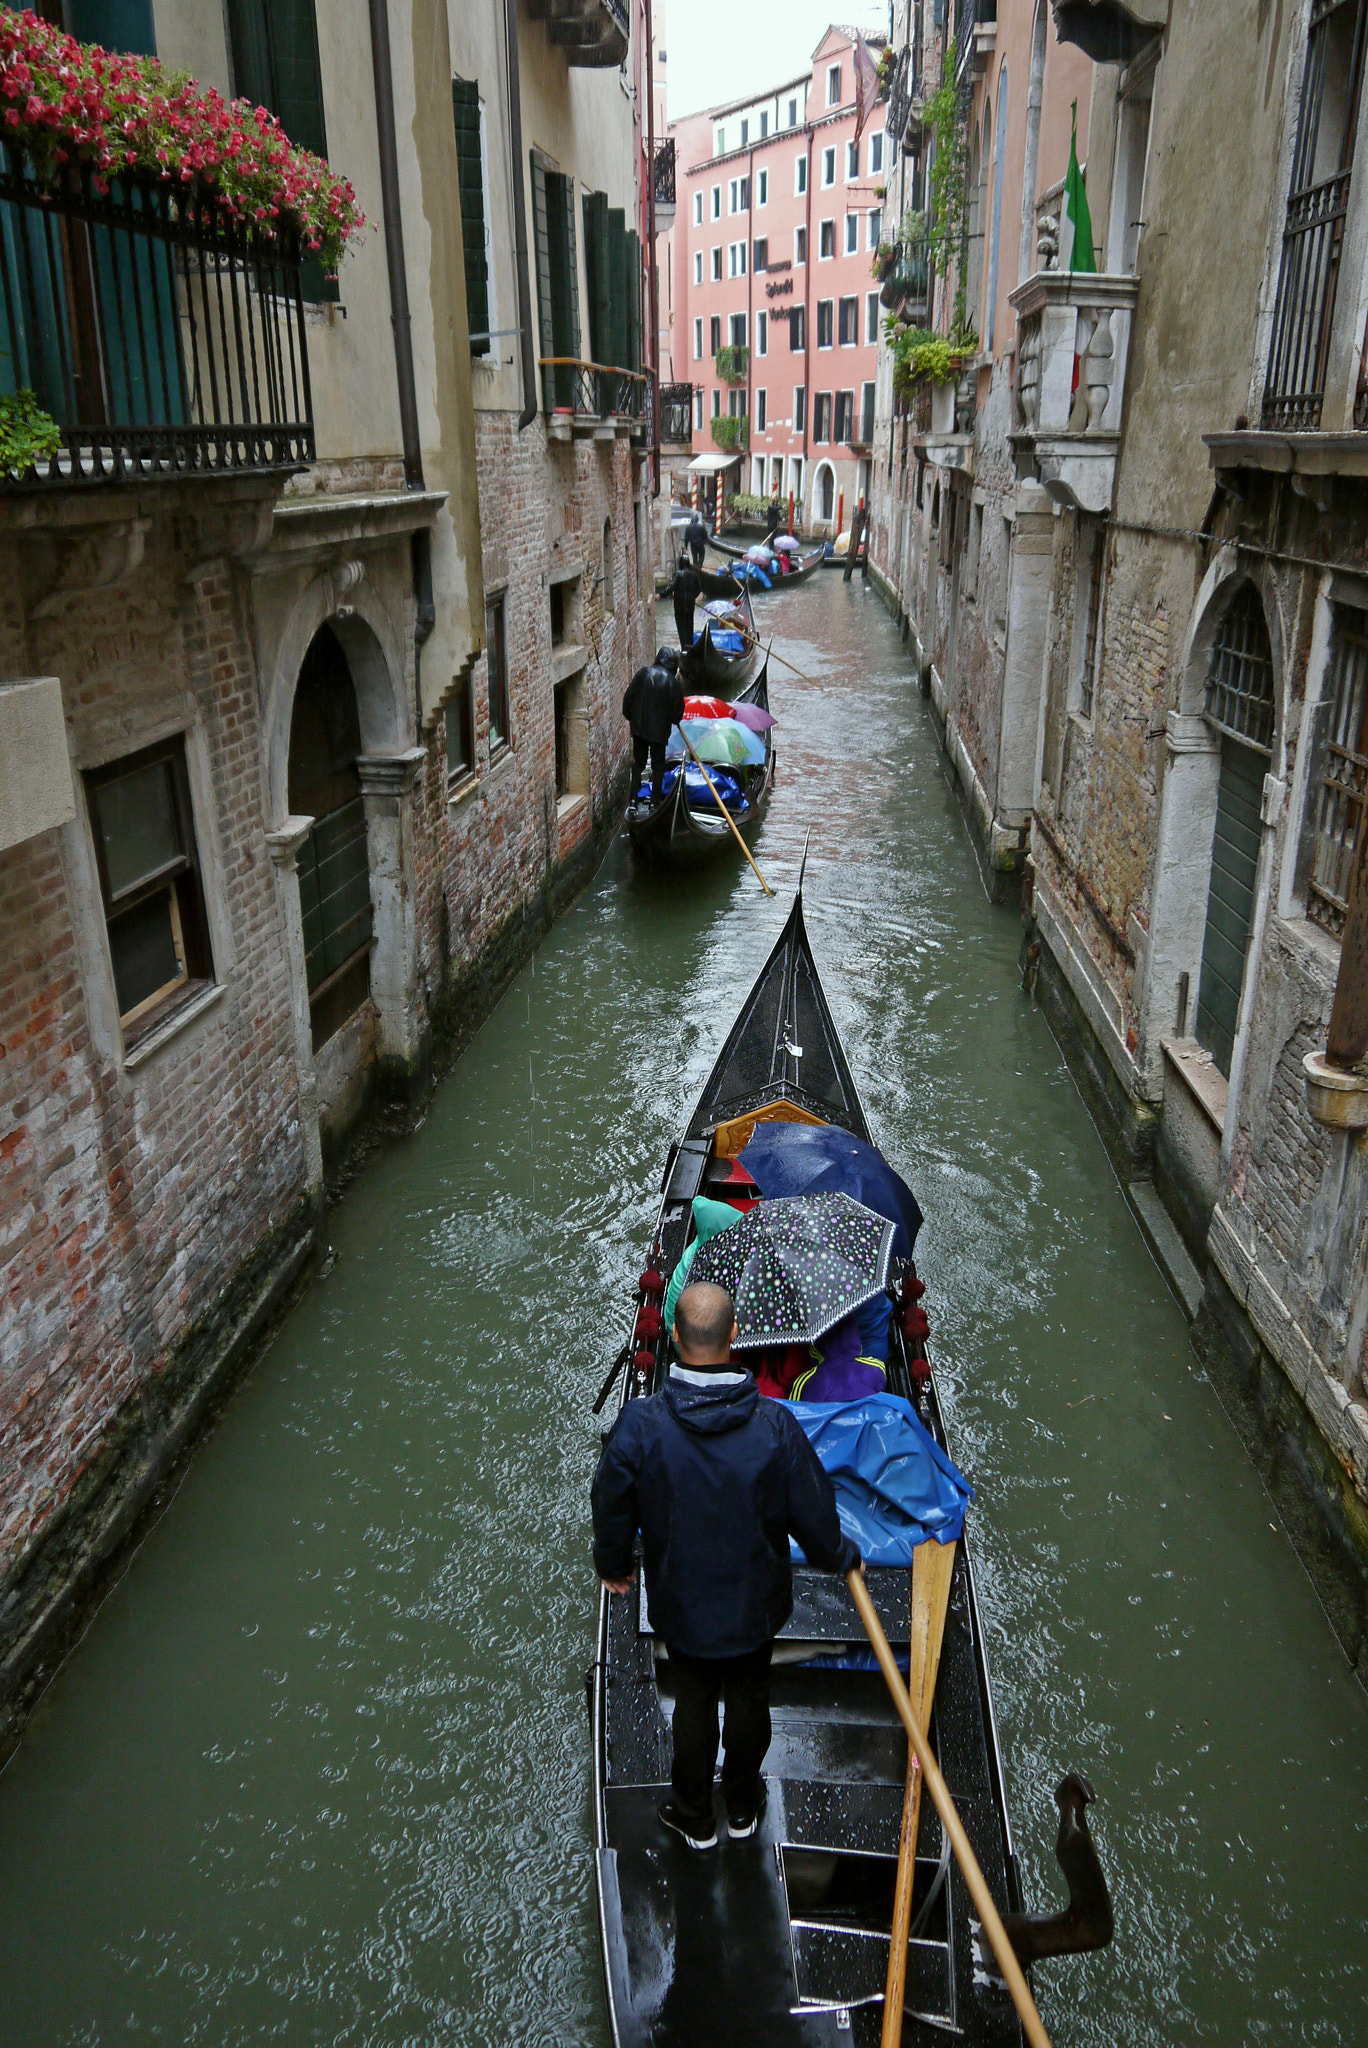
(1339, 799)
(1239, 693)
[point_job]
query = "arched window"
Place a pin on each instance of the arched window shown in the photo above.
(1240, 705)
(333, 862)
(826, 491)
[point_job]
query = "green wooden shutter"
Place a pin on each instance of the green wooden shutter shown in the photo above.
(617, 258)
(598, 276)
(275, 65)
(632, 296)
(465, 101)
(541, 236)
(123, 25)
(1230, 901)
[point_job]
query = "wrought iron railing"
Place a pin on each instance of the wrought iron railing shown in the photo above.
(676, 413)
(163, 336)
(594, 392)
(663, 172)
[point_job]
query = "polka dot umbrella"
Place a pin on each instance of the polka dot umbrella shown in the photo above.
(794, 1267)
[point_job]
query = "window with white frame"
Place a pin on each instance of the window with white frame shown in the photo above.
(716, 402)
(852, 233)
(826, 321)
(745, 134)
(799, 246)
(850, 323)
(698, 411)
(871, 318)
(738, 330)
(760, 253)
(736, 259)
(698, 266)
(826, 239)
(793, 113)
(776, 472)
(760, 411)
(799, 409)
(698, 339)
(720, 142)
(698, 209)
(828, 167)
(798, 330)
(717, 264)
(738, 195)
(762, 188)
(714, 334)
(852, 161)
(762, 334)
(834, 86)
(876, 154)
(845, 417)
(764, 123)
(717, 202)
(873, 228)
(821, 418)
(800, 176)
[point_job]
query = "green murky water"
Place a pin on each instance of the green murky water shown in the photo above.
(318, 1772)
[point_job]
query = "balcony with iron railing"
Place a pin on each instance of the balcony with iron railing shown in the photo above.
(590, 32)
(594, 400)
(663, 183)
(676, 415)
(163, 336)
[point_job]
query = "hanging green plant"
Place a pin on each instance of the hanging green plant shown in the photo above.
(731, 430)
(944, 113)
(27, 433)
(731, 363)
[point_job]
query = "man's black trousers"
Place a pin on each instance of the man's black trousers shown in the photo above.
(699, 1682)
(640, 749)
(684, 622)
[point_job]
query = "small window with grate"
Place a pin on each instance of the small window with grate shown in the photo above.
(1239, 692)
(1343, 778)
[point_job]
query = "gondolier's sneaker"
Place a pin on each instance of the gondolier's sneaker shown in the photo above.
(698, 1834)
(740, 1826)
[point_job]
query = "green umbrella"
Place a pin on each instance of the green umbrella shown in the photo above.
(721, 742)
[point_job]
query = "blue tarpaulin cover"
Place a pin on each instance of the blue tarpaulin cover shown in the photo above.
(895, 1487)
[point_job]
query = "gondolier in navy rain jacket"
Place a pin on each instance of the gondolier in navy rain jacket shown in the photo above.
(716, 1479)
(653, 706)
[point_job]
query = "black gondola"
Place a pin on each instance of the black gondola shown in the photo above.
(805, 566)
(674, 835)
(783, 1939)
(723, 673)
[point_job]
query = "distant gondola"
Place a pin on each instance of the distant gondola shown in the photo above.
(784, 1938)
(674, 834)
(712, 667)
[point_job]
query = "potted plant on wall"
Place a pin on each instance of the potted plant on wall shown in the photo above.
(731, 363)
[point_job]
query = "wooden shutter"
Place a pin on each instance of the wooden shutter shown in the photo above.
(123, 25)
(617, 257)
(1230, 902)
(541, 238)
(632, 296)
(465, 104)
(598, 276)
(560, 197)
(275, 65)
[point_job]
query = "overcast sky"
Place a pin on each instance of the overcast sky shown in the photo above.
(720, 50)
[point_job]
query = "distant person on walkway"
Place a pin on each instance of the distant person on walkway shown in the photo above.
(696, 538)
(653, 705)
(775, 515)
(716, 1480)
(685, 587)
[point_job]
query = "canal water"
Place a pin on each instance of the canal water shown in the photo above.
(319, 1770)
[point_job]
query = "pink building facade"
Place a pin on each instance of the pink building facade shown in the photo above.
(773, 306)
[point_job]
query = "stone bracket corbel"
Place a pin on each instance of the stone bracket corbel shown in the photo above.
(284, 844)
(93, 561)
(390, 774)
(1335, 1098)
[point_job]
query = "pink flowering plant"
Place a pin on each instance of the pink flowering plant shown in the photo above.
(67, 102)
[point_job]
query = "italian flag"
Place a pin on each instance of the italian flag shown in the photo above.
(1081, 256)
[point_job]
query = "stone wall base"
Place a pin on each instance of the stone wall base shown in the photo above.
(1128, 1128)
(1323, 1515)
(49, 1595)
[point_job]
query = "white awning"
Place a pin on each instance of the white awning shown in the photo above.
(709, 464)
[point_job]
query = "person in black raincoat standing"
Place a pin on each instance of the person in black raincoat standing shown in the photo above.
(716, 1479)
(696, 538)
(653, 705)
(685, 587)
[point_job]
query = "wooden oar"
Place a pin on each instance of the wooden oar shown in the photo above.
(717, 799)
(988, 1913)
(754, 639)
(932, 1567)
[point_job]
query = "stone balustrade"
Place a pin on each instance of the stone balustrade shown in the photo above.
(1067, 425)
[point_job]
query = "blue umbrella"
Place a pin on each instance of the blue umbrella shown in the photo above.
(815, 1159)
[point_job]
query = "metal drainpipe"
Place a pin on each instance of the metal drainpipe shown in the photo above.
(425, 613)
(654, 352)
(750, 299)
(519, 196)
(810, 398)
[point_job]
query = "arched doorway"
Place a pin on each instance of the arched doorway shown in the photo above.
(826, 492)
(1239, 706)
(333, 862)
